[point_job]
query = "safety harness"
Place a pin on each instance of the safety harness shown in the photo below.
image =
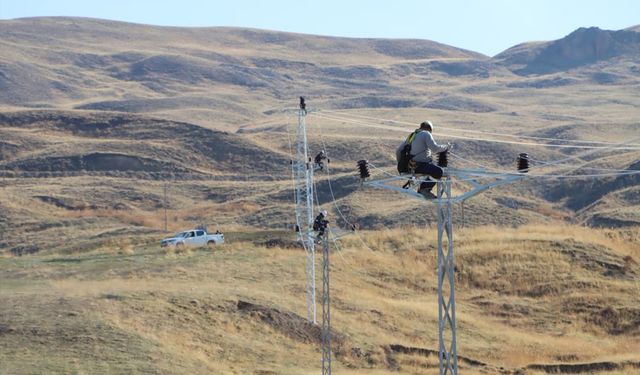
(406, 164)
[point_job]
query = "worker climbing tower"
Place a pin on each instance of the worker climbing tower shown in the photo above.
(480, 181)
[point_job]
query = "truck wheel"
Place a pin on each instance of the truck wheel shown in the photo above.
(211, 243)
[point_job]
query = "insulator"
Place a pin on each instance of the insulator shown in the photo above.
(443, 159)
(297, 228)
(363, 167)
(523, 163)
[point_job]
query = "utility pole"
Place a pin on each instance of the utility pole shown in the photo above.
(303, 173)
(477, 178)
(165, 206)
(326, 308)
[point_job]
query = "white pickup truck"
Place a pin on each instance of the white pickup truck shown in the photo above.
(194, 237)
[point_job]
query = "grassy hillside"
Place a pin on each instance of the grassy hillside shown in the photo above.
(211, 74)
(87, 177)
(529, 300)
(124, 110)
(109, 131)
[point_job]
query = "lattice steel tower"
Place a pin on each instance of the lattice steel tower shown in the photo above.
(303, 174)
(326, 308)
(448, 350)
(480, 181)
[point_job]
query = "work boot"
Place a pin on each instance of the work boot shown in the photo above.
(427, 194)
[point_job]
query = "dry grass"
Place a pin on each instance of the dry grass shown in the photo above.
(179, 312)
(547, 292)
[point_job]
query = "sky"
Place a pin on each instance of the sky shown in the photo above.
(485, 26)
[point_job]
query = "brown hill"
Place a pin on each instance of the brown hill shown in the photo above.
(107, 141)
(113, 134)
(529, 300)
(89, 63)
(98, 117)
(582, 47)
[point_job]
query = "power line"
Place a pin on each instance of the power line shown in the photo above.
(579, 156)
(592, 149)
(357, 122)
(348, 223)
(619, 173)
(158, 175)
(609, 172)
(335, 203)
(446, 268)
(543, 163)
(480, 131)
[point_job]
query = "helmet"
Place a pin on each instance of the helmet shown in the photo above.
(427, 125)
(324, 213)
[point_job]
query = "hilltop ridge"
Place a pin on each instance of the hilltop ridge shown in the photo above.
(582, 47)
(95, 104)
(114, 135)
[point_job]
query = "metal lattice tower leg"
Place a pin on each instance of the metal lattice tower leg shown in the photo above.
(446, 283)
(446, 265)
(303, 172)
(326, 308)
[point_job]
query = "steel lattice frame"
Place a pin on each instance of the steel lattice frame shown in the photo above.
(326, 308)
(303, 172)
(446, 266)
(446, 283)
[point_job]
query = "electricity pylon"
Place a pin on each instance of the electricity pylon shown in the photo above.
(446, 283)
(303, 174)
(447, 349)
(326, 308)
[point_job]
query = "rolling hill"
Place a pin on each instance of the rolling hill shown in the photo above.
(584, 46)
(110, 101)
(113, 134)
(530, 301)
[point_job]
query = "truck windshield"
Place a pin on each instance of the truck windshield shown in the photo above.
(181, 234)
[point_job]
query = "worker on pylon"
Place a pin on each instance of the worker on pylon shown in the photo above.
(320, 158)
(414, 154)
(320, 223)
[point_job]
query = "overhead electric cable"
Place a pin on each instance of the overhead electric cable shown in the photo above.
(579, 156)
(490, 140)
(479, 131)
(543, 163)
(335, 203)
(591, 149)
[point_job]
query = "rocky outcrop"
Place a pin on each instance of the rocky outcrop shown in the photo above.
(582, 47)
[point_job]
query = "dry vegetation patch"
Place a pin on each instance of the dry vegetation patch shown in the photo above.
(202, 114)
(524, 305)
